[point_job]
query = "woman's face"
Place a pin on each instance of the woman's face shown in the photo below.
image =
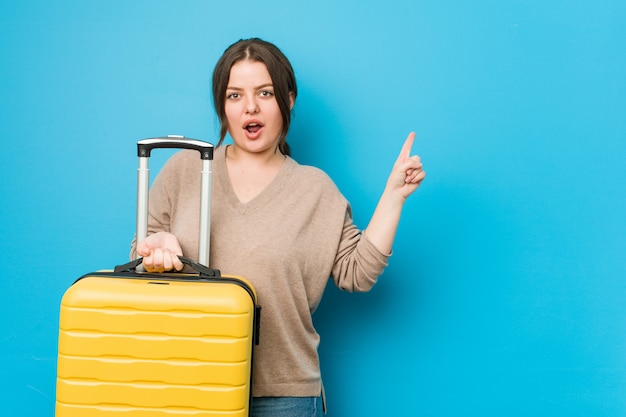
(252, 112)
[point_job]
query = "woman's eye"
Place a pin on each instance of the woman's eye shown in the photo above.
(266, 93)
(233, 95)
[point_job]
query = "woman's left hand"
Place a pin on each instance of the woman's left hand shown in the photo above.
(407, 173)
(406, 176)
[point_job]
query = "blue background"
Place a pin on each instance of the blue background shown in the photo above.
(506, 291)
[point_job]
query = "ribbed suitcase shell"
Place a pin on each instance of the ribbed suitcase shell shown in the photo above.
(152, 347)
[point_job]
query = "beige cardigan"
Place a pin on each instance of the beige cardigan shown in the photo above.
(287, 241)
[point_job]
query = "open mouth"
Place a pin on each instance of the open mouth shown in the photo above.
(253, 127)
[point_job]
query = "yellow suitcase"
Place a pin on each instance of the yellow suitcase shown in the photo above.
(157, 345)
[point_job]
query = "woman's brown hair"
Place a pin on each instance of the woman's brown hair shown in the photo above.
(280, 71)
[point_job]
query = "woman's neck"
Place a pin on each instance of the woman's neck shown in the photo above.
(268, 158)
(250, 173)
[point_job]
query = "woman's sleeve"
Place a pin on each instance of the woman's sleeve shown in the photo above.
(358, 263)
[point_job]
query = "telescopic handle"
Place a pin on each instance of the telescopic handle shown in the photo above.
(144, 148)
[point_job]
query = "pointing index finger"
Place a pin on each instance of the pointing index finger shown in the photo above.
(405, 152)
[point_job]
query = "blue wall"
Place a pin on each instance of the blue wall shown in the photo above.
(506, 294)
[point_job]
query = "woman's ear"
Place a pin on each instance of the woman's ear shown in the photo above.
(292, 101)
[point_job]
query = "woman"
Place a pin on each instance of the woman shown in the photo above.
(282, 225)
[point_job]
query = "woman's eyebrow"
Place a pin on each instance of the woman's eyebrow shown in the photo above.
(230, 87)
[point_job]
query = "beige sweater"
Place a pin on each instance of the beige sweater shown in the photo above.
(287, 241)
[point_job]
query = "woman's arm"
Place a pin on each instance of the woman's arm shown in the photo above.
(406, 176)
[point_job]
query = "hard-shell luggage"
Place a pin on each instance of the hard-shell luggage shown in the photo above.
(150, 345)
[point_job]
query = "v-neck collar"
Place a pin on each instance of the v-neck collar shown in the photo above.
(266, 195)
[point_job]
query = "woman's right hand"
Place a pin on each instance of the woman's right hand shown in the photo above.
(160, 252)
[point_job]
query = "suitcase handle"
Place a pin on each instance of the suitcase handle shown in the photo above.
(202, 270)
(144, 147)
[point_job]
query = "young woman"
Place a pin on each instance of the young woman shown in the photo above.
(282, 225)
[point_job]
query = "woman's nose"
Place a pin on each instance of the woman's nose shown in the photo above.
(251, 106)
